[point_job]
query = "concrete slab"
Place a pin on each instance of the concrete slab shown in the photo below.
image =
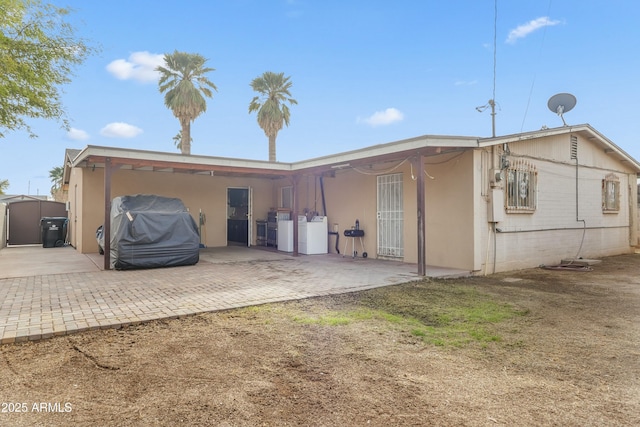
(23, 261)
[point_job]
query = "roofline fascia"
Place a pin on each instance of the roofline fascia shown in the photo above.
(359, 154)
(488, 142)
(132, 154)
(412, 144)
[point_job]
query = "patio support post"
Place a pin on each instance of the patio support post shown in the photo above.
(294, 214)
(420, 198)
(107, 213)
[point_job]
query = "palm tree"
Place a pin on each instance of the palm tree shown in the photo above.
(273, 113)
(183, 79)
(55, 175)
(4, 184)
(177, 140)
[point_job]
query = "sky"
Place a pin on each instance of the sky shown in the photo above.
(363, 73)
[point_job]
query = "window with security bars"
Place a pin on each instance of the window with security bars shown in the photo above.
(522, 182)
(611, 193)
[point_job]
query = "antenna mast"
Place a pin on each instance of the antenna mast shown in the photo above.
(492, 102)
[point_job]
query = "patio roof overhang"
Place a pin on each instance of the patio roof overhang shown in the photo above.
(130, 159)
(414, 149)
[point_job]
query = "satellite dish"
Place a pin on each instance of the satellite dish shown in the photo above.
(561, 103)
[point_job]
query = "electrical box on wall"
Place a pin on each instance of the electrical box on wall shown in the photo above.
(496, 176)
(496, 205)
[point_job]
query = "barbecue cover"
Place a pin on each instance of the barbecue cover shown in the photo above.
(149, 231)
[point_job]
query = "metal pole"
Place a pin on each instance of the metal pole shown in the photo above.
(420, 196)
(492, 103)
(107, 213)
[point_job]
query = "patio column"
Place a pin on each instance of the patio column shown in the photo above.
(109, 167)
(294, 214)
(420, 198)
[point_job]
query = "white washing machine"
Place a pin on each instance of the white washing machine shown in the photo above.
(313, 236)
(285, 235)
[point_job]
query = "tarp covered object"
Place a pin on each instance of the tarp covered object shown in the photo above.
(149, 231)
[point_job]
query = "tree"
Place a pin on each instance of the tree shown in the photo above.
(55, 175)
(177, 140)
(273, 113)
(4, 184)
(38, 50)
(183, 79)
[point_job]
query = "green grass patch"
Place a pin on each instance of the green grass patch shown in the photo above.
(329, 319)
(345, 317)
(439, 313)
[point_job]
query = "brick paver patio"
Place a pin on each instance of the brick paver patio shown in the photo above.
(35, 306)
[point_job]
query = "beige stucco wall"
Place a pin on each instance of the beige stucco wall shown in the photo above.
(449, 211)
(198, 193)
(349, 196)
(450, 226)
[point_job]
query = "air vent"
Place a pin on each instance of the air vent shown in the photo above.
(574, 147)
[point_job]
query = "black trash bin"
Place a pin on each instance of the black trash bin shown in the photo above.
(54, 231)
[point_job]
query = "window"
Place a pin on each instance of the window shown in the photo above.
(522, 178)
(286, 197)
(611, 193)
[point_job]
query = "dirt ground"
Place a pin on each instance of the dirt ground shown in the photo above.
(571, 357)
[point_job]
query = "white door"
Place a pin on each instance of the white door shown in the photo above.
(390, 213)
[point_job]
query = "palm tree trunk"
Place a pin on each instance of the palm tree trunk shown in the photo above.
(185, 143)
(272, 148)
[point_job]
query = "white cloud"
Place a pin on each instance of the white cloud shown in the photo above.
(382, 118)
(140, 66)
(465, 82)
(120, 130)
(524, 30)
(77, 134)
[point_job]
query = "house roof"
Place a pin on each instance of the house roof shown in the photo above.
(8, 198)
(69, 155)
(426, 145)
(584, 130)
(95, 157)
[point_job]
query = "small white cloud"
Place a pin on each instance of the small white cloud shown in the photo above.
(524, 30)
(120, 130)
(382, 118)
(140, 67)
(465, 82)
(77, 134)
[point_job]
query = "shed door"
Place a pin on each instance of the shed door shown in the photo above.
(390, 213)
(24, 220)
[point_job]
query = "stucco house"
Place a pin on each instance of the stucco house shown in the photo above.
(478, 204)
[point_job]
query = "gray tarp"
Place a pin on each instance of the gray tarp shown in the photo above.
(149, 231)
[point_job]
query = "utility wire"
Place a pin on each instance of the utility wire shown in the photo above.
(533, 82)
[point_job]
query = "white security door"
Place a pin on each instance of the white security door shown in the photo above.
(390, 216)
